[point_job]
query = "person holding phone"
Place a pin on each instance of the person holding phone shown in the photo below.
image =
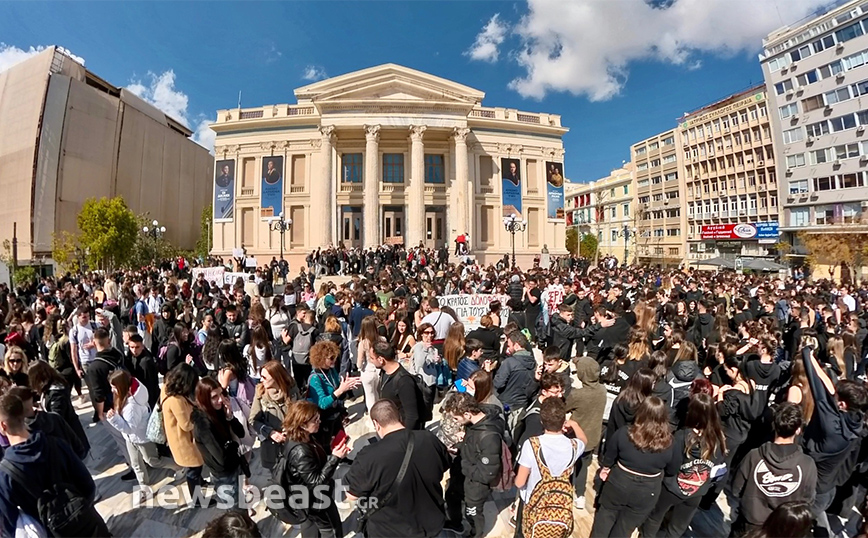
(328, 390)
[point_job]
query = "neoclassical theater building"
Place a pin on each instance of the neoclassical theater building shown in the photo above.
(385, 155)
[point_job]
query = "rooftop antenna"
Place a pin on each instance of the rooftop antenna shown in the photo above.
(239, 98)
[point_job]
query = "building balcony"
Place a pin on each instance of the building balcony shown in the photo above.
(296, 189)
(264, 112)
(388, 188)
(351, 187)
(509, 114)
(247, 191)
(435, 189)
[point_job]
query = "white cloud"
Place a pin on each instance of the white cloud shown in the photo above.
(203, 135)
(10, 55)
(485, 48)
(585, 47)
(314, 73)
(160, 91)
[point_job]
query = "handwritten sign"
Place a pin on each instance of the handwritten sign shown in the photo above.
(471, 308)
(212, 274)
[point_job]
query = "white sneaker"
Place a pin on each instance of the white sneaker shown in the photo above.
(579, 503)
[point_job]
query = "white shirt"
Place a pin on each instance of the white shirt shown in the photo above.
(850, 302)
(441, 322)
(557, 450)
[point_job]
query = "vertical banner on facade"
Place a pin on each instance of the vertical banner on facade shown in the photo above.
(224, 191)
(555, 190)
(271, 200)
(510, 173)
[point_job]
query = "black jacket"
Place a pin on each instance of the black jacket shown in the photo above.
(53, 425)
(516, 372)
(564, 335)
(400, 387)
(309, 467)
(219, 449)
(481, 449)
(602, 340)
(238, 332)
(97, 374)
(58, 399)
(144, 368)
(772, 475)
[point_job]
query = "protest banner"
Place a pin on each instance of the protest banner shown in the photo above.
(471, 308)
(212, 274)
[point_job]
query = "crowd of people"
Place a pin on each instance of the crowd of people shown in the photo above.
(686, 387)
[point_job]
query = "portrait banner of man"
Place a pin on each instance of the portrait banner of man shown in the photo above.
(271, 198)
(224, 191)
(555, 190)
(510, 173)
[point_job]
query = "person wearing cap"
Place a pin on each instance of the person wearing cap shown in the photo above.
(109, 321)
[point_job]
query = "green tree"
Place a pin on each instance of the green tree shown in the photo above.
(588, 246)
(108, 231)
(24, 276)
(65, 252)
(146, 249)
(203, 244)
(572, 241)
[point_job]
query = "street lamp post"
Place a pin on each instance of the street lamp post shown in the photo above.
(626, 232)
(156, 232)
(513, 225)
(279, 224)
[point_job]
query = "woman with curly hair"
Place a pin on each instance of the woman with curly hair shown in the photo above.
(327, 389)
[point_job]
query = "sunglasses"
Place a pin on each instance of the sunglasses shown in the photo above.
(15, 361)
(429, 333)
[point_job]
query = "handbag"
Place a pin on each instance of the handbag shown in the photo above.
(156, 431)
(366, 513)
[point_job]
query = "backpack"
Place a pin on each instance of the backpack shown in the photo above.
(549, 510)
(506, 480)
(301, 345)
(61, 509)
(283, 511)
(57, 358)
(520, 425)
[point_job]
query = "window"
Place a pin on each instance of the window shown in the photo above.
(824, 183)
(669, 140)
(656, 180)
(831, 69)
(799, 216)
(626, 210)
(654, 162)
(351, 165)
(813, 103)
(626, 189)
(393, 168)
(808, 78)
(658, 232)
(614, 236)
(673, 251)
(657, 197)
(794, 161)
(820, 156)
(860, 88)
(848, 151)
(856, 60)
(783, 86)
(793, 135)
(642, 183)
(849, 32)
(653, 145)
(824, 214)
(671, 176)
(641, 151)
(779, 63)
(669, 159)
(848, 181)
(673, 232)
(836, 96)
(673, 195)
(815, 129)
(434, 169)
(787, 111)
(843, 123)
(824, 43)
(798, 186)
(642, 166)
(614, 212)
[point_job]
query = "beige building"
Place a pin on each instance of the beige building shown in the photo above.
(388, 154)
(66, 135)
(660, 217)
(730, 180)
(606, 208)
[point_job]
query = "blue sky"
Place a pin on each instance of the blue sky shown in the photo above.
(616, 70)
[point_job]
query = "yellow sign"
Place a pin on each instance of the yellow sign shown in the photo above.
(724, 110)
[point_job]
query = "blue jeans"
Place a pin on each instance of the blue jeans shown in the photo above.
(226, 490)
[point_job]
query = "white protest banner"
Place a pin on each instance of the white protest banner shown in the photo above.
(471, 308)
(230, 278)
(212, 274)
(553, 296)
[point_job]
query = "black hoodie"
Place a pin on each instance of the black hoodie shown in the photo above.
(481, 449)
(97, 374)
(694, 475)
(772, 475)
(764, 374)
(53, 425)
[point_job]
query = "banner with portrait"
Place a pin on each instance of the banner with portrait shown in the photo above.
(555, 190)
(510, 173)
(271, 199)
(224, 191)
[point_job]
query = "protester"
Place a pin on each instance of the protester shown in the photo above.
(272, 399)
(327, 389)
(397, 385)
(177, 403)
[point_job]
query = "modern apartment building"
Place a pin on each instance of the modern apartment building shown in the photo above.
(659, 187)
(816, 76)
(729, 177)
(606, 208)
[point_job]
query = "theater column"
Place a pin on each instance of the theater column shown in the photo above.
(415, 213)
(322, 198)
(461, 185)
(371, 211)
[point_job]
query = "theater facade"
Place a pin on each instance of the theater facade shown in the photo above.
(387, 155)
